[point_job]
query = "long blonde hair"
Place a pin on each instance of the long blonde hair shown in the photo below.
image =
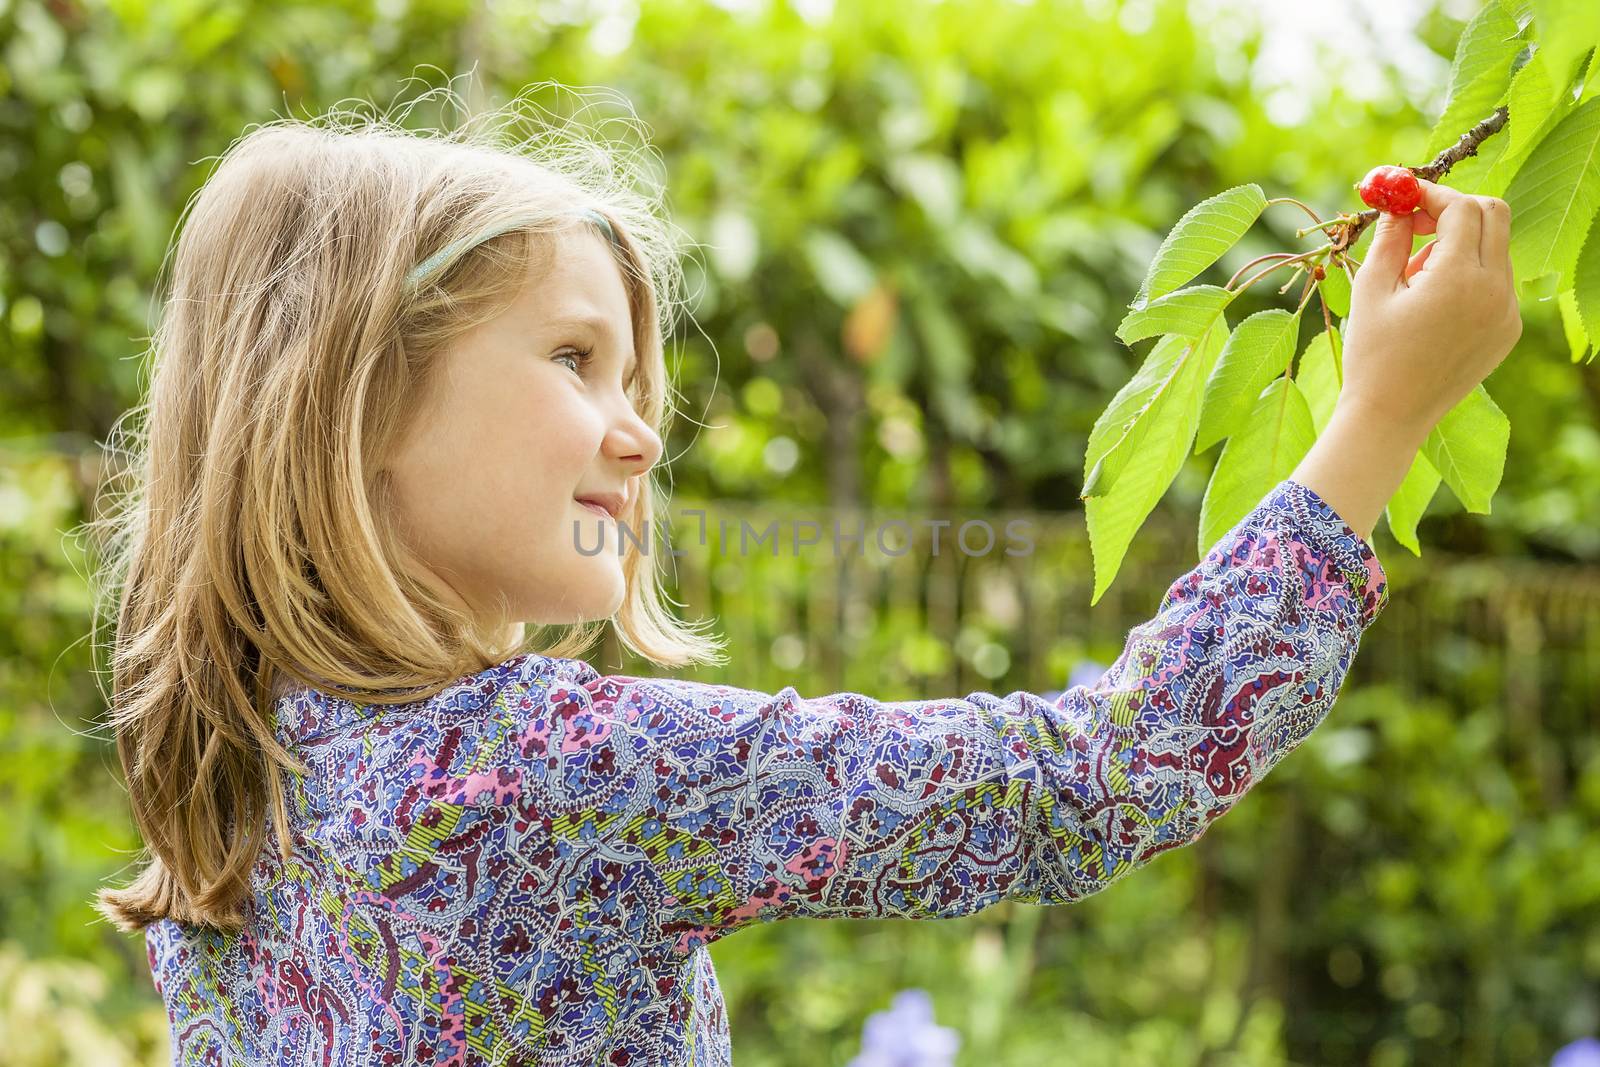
(256, 542)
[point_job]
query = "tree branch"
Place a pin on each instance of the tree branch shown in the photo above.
(1347, 233)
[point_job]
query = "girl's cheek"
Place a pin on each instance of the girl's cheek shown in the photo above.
(585, 430)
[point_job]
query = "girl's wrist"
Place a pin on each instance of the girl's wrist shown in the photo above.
(1358, 462)
(1381, 427)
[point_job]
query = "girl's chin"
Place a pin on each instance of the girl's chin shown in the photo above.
(605, 587)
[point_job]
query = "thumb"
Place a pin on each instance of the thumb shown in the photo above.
(1390, 252)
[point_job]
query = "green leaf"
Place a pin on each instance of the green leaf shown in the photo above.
(1566, 29)
(1258, 457)
(1116, 516)
(1555, 195)
(1532, 117)
(1187, 313)
(1122, 428)
(1490, 171)
(1476, 103)
(1479, 75)
(1539, 290)
(1201, 237)
(1521, 11)
(1488, 39)
(1468, 449)
(1335, 290)
(1586, 283)
(1259, 350)
(1533, 98)
(1318, 377)
(1572, 320)
(1410, 501)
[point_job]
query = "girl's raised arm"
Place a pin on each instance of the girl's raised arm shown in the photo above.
(725, 806)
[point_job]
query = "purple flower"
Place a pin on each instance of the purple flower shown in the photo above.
(1085, 672)
(906, 1036)
(1584, 1052)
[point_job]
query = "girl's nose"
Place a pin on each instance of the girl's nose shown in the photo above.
(635, 443)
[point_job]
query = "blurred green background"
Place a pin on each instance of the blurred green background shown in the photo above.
(921, 225)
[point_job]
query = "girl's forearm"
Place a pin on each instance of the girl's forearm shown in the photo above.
(1358, 462)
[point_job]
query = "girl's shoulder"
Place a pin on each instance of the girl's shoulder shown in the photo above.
(302, 713)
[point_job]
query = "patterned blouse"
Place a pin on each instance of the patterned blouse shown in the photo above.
(527, 868)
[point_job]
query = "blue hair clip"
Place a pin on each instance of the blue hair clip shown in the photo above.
(450, 251)
(601, 221)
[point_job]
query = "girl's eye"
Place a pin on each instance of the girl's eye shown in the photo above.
(579, 357)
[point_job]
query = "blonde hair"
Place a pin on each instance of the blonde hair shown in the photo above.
(257, 543)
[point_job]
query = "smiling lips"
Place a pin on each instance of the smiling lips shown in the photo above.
(607, 504)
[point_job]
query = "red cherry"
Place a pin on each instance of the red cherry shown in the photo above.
(1392, 189)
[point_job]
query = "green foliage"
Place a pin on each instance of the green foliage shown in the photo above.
(1140, 441)
(1274, 438)
(55, 1011)
(1257, 352)
(1335, 292)
(1319, 375)
(1201, 237)
(1533, 100)
(1479, 75)
(1580, 305)
(1524, 56)
(1566, 32)
(1187, 313)
(1572, 323)
(1410, 501)
(1554, 197)
(1468, 449)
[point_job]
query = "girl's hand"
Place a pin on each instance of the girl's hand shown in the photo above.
(1425, 328)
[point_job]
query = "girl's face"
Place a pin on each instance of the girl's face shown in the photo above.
(520, 426)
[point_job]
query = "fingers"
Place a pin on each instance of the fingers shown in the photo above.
(1419, 260)
(1423, 223)
(1436, 197)
(1495, 246)
(1460, 222)
(1391, 247)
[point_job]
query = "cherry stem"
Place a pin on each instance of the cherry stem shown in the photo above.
(1291, 200)
(1342, 220)
(1312, 286)
(1253, 262)
(1282, 263)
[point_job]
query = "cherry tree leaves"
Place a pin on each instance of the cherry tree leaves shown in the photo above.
(1202, 383)
(1201, 237)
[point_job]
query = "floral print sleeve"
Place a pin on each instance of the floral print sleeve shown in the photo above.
(730, 806)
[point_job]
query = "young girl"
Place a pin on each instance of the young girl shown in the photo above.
(399, 380)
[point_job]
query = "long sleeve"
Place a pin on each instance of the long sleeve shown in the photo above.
(734, 806)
